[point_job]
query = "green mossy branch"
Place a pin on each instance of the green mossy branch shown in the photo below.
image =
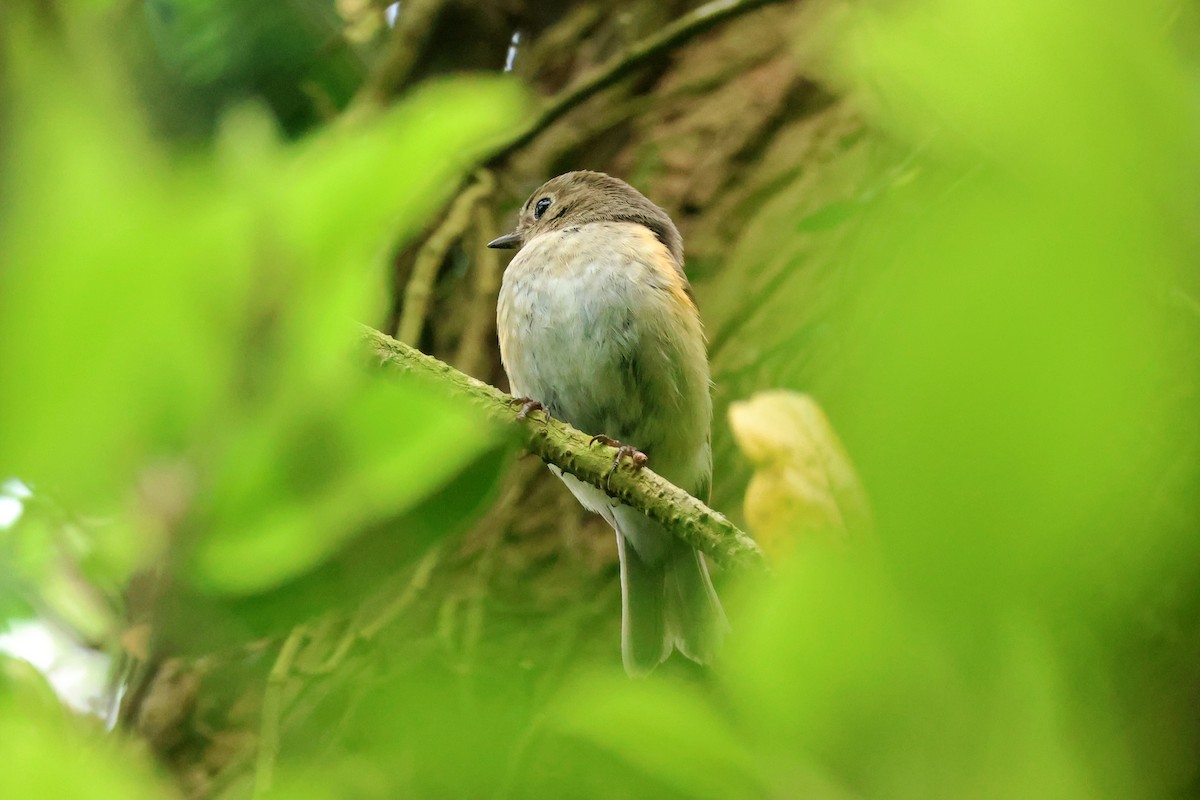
(570, 450)
(431, 255)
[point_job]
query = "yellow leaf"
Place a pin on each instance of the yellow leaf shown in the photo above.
(804, 483)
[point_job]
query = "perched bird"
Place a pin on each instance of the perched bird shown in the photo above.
(597, 326)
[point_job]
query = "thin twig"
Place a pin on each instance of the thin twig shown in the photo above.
(571, 451)
(481, 312)
(686, 27)
(416, 584)
(272, 709)
(360, 631)
(405, 46)
(494, 528)
(433, 252)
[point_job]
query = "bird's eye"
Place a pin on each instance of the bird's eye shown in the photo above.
(540, 207)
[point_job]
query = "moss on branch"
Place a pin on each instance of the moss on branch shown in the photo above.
(570, 450)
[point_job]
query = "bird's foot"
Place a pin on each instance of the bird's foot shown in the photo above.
(637, 458)
(528, 406)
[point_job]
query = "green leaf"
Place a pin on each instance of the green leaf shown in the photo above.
(194, 316)
(296, 487)
(667, 730)
(48, 754)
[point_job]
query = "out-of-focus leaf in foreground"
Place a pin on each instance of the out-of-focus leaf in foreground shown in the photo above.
(1008, 378)
(195, 317)
(1009, 356)
(47, 755)
(666, 730)
(290, 496)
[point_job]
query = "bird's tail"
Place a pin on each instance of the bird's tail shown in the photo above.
(668, 600)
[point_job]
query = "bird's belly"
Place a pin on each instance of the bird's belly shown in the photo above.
(570, 344)
(593, 325)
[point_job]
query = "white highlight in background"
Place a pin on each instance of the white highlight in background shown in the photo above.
(13, 493)
(79, 676)
(511, 56)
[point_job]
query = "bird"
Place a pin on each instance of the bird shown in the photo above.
(598, 327)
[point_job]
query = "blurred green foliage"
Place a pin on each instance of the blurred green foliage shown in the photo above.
(1011, 377)
(48, 754)
(182, 370)
(1019, 392)
(203, 310)
(197, 57)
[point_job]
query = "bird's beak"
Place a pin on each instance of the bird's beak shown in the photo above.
(509, 241)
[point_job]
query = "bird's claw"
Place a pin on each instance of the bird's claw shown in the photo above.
(528, 406)
(636, 457)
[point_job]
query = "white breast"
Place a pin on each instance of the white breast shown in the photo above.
(588, 329)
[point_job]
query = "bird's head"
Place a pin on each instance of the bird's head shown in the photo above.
(578, 198)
